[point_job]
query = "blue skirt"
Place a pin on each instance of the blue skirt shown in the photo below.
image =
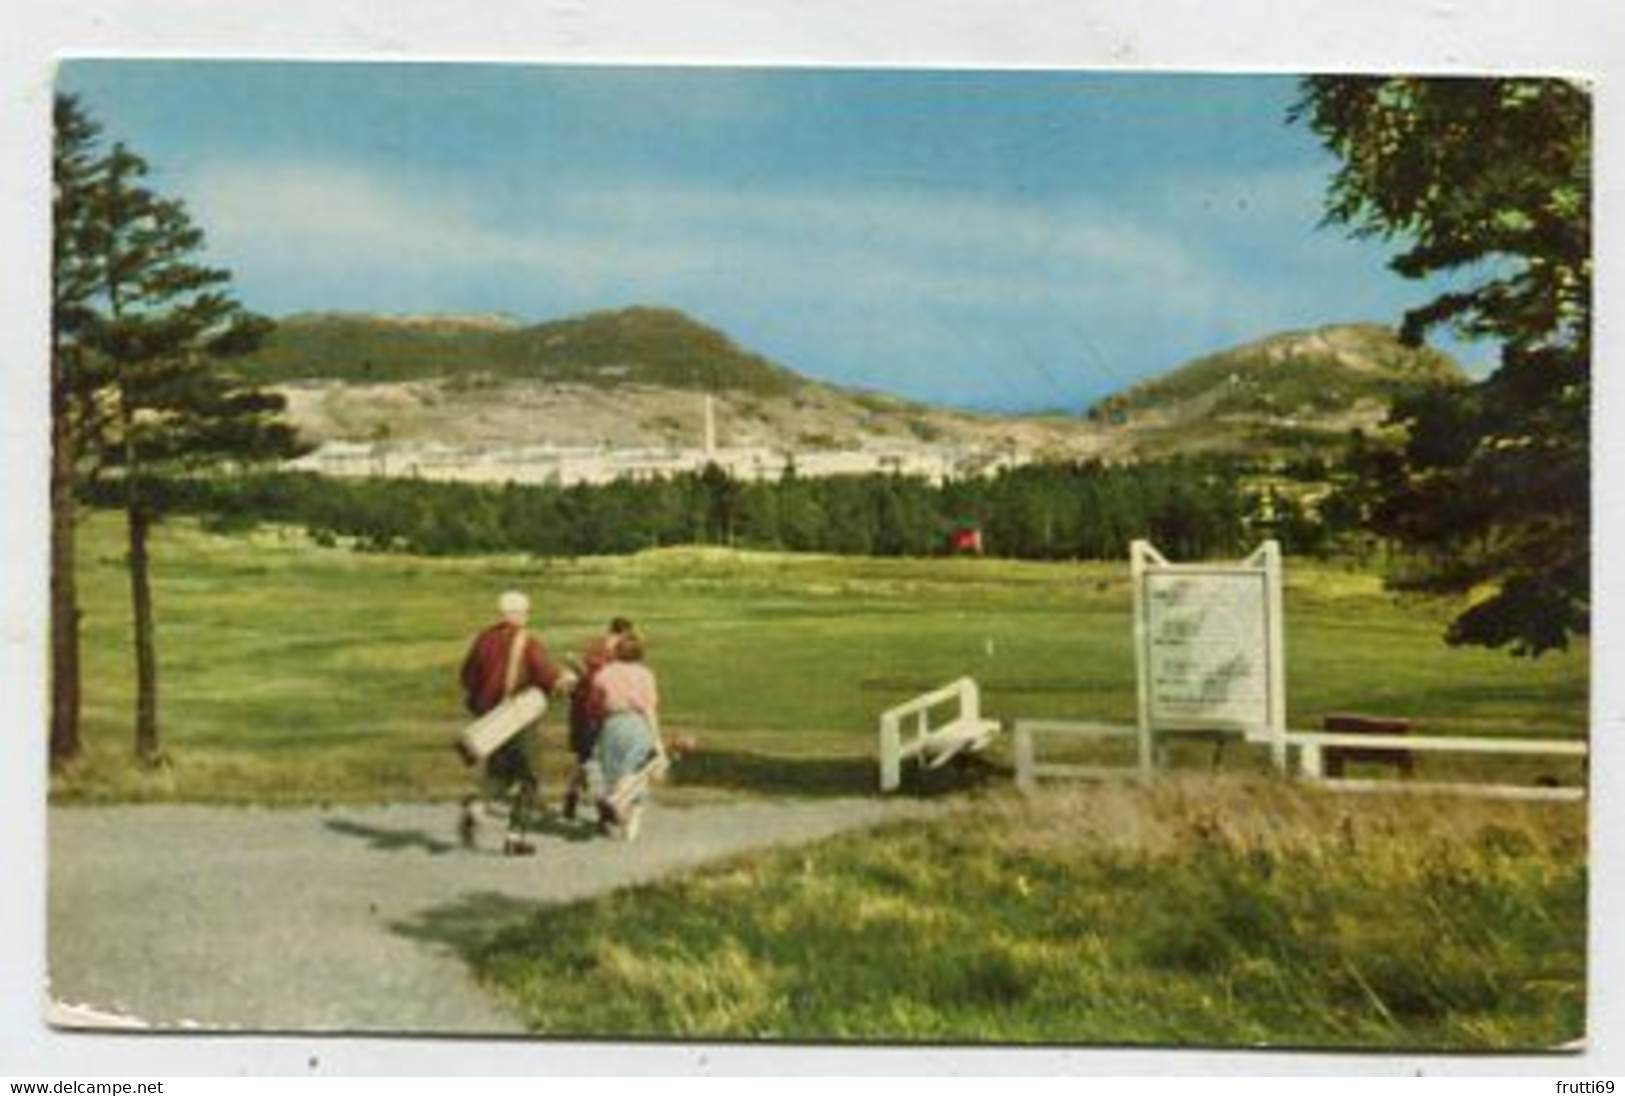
(625, 744)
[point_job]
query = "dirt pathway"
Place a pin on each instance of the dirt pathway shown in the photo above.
(344, 919)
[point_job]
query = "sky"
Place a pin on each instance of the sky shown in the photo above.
(1011, 240)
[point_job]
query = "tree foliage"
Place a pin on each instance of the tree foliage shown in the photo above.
(1191, 509)
(1486, 182)
(141, 327)
(77, 171)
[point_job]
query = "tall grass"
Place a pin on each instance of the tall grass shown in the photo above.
(1218, 912)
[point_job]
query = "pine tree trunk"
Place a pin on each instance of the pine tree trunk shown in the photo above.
(139, 520)
(146, 648)
(65, 741)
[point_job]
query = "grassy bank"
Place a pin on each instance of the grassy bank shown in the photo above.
(1219, 912)
(295, 673)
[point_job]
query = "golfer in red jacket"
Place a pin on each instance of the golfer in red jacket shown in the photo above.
(504, 659)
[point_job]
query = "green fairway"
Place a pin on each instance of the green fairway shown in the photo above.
(291, 672)
(1227, 911)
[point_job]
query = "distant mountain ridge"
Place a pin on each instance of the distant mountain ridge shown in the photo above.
(637, 377)
(640, 345)
(1282, 391)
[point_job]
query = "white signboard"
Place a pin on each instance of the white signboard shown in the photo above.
(1208, 644)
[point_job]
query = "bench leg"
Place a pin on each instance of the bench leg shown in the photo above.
(891, 761)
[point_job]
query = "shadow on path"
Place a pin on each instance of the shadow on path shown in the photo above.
(386, 839)
(390, 840)
(823, 777)
(576, 831)
(469, 922)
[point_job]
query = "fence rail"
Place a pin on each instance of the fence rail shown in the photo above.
(1029, 768)
(1310, 744)
(1556, 747)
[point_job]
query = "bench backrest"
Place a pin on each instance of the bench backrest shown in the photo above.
(964, 694)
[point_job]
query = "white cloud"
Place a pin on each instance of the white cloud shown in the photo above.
(951, 248)
(944, 249)
(863, 286)
(339, 216)
(320, 206)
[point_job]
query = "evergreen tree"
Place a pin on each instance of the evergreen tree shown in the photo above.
(160, 323)
(759, 515)
(721, 493)
(800, 512)
(77, 169)
(1488, 180)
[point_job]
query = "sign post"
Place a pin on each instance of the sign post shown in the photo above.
(1208, 642)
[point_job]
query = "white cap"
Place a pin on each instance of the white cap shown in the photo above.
(512, 603)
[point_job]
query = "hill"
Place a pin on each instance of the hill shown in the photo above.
(634, 377)
(651, 346)
(1289, 392)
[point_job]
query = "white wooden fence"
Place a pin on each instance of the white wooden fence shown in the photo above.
(910, 730)
(1312, 744)
(1029, 768)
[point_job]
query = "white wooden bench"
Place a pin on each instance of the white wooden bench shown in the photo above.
(908, 731)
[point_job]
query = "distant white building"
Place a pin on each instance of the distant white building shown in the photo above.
(568, 466)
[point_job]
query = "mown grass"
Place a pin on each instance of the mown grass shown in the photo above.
(1216, 911)
(1206, 911)
(296, 673)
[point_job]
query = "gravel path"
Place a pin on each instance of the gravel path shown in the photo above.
(341, 919)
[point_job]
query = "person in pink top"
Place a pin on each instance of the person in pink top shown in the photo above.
(585, 713)
(627, 700)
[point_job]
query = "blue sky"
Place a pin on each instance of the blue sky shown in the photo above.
(1007, 240)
